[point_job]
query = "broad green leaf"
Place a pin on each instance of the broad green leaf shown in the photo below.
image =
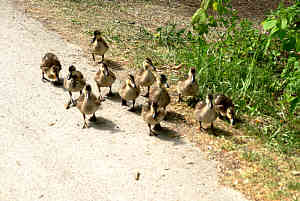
(200, 16)
(294, 102)
(205, 4)
(298, 42)
(274, 31)
(284, 23)
(267, 45)
(201, 28)
(267, 25)
(215, 6)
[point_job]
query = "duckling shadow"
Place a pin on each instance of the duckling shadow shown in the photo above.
(115, 97)
(59, 84)
(138, 109)
(219, 132)
(105, 124)
(167, 134)
(114, 65)
(174, 117)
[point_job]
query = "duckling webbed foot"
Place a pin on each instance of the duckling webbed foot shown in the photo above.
(132, 109)
(179, 98)
(147, 94)
(85, 125)
(157, 127)
(68, 105)
(45, 79)
(93, 118)
(212, 128)
(201, 127)
(123, 102)
(110, 93)
(151, 132)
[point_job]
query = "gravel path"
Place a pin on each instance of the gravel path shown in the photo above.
(45, 155)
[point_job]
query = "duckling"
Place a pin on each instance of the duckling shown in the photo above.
(159, 93)
(105, 78)
(145, 77)
(74, 82)
(51, 67)
(88, 104)
(205, 112)
(224, 107)
(129, 91)
(99, 45)
(188, 87)
(152, 115)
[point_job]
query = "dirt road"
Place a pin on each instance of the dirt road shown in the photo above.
(45, 155)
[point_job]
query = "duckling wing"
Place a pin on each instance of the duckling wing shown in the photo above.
(112, 75)
(200, 105)
(154, 94)
(104, 42)
(223, 100)
(50, 60)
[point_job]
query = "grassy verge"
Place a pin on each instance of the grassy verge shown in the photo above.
(259, 156)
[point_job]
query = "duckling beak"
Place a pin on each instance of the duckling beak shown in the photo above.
(193, 78)
(154, 69)
(69, 76)
(232, 121)
(106, 72)
(154, 115)
(57, 75)
(87, 96)
(93, 40)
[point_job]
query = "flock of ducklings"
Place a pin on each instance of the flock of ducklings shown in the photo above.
(158, 97)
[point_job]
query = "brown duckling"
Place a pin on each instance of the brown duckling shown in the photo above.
(99, 45)
(88, 104)
(129, 91)
(188, 87)
(159, 93)
(205, 112)
(152, 115)
(224, 107)
(51, 67)
(74, 82)
(105, 78)
(145, 76)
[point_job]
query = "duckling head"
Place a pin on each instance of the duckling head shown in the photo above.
(148, 64)
(192, 74)
(163, 80)
(231, 114)
(88, 90)
(71, 69)
(97, 34)
(130, 81)
(209, 100)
